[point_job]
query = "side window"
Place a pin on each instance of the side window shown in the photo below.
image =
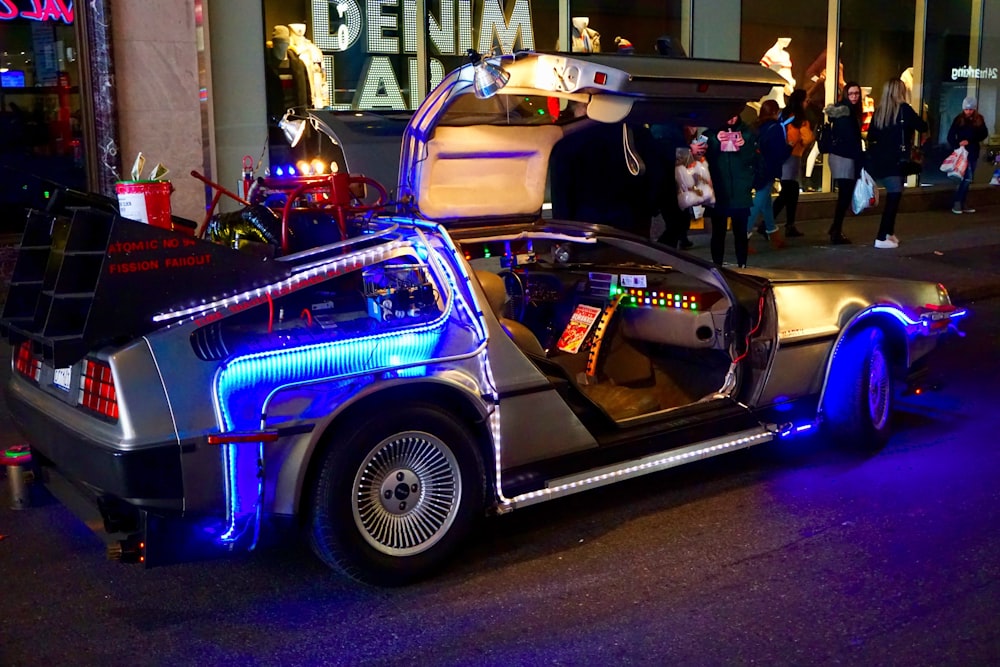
(391, 295)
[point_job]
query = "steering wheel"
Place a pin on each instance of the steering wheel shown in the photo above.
(514, 285)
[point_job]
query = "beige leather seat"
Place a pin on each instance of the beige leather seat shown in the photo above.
(496, 295)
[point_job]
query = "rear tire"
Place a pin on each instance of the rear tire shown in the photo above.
(396, 495)
(859, 396)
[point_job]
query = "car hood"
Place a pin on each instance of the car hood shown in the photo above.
(466, 160)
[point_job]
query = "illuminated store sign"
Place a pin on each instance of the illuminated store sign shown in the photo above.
(40, 10)
(346, 30)
(973, 73)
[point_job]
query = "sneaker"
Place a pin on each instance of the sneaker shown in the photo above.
(888, 243)
(686, 244)
(956, 211)
(792, 232)
(893, 238)
(968, 210)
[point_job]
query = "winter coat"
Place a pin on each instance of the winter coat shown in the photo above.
(974, 134)
(774, 150)
(800, 138)
(732, 173)
(846, 131)
(889, 145)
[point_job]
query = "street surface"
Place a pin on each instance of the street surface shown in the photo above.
(791, 553)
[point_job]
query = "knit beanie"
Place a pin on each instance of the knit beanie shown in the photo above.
(969, 103)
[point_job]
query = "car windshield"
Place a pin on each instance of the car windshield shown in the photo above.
(467, 110)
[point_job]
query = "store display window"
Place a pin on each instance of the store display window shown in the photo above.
(41, 139)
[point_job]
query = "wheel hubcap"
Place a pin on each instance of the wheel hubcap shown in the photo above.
(407, 493)
(878, 389)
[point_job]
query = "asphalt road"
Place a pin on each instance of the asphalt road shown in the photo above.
(791, 553)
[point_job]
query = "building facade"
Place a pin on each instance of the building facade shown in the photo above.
(187, 81)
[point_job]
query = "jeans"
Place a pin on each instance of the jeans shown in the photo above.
(963, 187)
(762, 207)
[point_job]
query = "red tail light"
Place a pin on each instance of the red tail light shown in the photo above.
(98, 389)
(25, 362)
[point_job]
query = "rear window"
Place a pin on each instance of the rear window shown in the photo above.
(512, 110)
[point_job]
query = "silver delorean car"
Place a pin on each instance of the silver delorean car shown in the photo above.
(445, 354)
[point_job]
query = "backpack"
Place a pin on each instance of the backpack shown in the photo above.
(824, 137)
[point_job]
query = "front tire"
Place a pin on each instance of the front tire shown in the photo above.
(859, 397)
(397, 495)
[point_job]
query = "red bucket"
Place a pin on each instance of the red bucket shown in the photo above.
(145, 201)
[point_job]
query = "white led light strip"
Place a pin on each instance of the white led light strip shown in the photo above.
(602, 476)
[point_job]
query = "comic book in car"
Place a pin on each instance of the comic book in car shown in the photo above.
(579, 326)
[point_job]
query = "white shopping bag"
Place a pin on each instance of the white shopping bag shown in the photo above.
(865, 193)
(955, 164)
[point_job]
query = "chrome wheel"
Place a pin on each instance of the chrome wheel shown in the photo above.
(407, 493)
(878, 388)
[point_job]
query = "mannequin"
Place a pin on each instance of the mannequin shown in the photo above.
(585, 39)
(285, 79)
(816, 72)
(778, 59)
(312, 58)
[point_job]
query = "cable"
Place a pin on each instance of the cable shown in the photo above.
(760, 319)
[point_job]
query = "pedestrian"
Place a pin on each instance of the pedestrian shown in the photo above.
(845, 155)
(731, 154)
(890, 139)
(800, 135)
(774, 150)
(967, 130)
(675, 143)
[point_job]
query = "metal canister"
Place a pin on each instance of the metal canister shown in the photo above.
(17, 460)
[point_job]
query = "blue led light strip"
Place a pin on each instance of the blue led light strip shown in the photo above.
(266, 372)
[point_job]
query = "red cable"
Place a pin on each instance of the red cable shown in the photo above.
(270, 313)
(760, 319)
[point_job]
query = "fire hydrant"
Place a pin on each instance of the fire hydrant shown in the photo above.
(17, 460)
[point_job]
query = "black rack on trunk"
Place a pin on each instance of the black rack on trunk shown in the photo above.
(95, 279)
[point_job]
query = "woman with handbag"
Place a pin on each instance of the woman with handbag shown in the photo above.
(890, 145)
(967, 130)
(845, 154)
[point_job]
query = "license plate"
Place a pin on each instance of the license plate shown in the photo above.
(61, 377)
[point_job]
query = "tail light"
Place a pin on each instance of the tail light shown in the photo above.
(25, 362)
(98, 389)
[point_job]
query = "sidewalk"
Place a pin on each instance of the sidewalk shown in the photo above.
(960, 251)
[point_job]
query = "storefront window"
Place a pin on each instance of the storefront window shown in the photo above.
(636, 27)
(792, 43)
(40, 115)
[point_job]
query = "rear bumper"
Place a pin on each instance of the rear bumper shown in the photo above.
(147, 478)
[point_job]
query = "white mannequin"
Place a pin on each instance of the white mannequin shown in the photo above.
(778, 59)
(312, 57)
(585, 39)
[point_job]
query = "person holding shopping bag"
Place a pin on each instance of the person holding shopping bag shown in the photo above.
(890, 140)
(967, 130)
